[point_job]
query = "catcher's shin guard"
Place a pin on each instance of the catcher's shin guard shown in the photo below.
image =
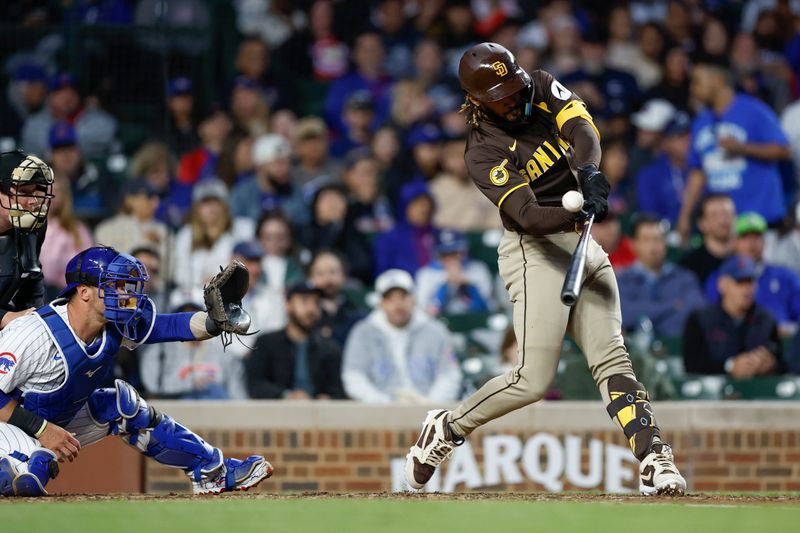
(175, 445)
(31, 476)
(630, 406)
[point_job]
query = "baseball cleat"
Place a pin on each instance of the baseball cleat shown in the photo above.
(658, 474)
(235, 474)
(435, 444)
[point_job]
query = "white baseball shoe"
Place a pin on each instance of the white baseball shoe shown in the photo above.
(435, 444)
(234, 474)
(658, 474)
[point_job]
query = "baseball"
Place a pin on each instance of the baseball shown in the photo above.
(572, 201)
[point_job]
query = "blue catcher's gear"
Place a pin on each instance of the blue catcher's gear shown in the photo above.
(120, 277)
(42, 466)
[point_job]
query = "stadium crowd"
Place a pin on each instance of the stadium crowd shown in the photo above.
(330, 162)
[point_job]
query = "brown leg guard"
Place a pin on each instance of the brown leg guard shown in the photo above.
(628, 404)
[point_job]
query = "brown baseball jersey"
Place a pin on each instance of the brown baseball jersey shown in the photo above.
(532, 167)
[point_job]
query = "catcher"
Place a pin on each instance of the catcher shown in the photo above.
(53, 363)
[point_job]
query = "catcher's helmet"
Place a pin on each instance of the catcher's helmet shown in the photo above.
(488, 72)
(121, 278)
(27, 186)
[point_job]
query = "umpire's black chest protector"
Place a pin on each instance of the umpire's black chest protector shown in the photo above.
(20, 272)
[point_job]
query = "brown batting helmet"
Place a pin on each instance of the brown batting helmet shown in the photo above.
(489, 72)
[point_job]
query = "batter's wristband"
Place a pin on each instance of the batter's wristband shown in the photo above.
(28, 422)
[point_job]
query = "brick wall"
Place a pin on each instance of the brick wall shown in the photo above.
(312, 456)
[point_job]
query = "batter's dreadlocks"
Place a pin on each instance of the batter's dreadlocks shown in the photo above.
(472, 112)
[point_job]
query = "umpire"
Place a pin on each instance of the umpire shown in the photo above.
(26, 189)
(531, 140)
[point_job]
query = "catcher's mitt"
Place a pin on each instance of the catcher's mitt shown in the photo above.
(223, 297)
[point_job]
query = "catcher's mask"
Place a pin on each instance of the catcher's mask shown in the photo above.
(488, 72)
(120, 279)
(27, 186)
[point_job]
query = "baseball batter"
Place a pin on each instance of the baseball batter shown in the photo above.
(54, 362)
(530, 138)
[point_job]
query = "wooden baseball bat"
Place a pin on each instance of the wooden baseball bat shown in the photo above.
(571, 290)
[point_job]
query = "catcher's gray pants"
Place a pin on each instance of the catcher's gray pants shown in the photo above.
(533, 269)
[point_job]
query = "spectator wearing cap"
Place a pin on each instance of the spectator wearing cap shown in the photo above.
(249, 108)
(135, 224)
(201, 163)
(649, 123)
(181, 133)
(736, 147)
(368, 56)
(332, 227)
(66, 236)
(191, 370)
(777, 288)
(270, 187)
(660, 185)
(95, 128)
(358, 118)
(716, 223)
(424, 141)
(206, 241)
(409, 244)
(296, 362)
(25, 96)
(734, 336)
(656, 288)
(91, 195)
(314, 163)
(398, 353)
(453, 283)
(369, 209)
(460, 205)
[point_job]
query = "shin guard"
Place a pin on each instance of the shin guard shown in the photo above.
(630, 406)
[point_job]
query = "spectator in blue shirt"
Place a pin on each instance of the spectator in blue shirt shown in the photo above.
(778, 288)
(409, 244)
(655, 288)
(736, 145)
(660, 185)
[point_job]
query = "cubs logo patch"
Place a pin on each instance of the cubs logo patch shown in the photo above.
(7, 362)
(500, 68)
(499, 175)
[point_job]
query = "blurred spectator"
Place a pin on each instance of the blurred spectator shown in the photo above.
(313, 153)
(66, 236)
(270, 187)
(296, 362)
(674, 85)
(24, 96)
(201, 163)
(193, 370)
(284, 123)
(155, 287)
(790, 122)
(441, 87)
(181, 134)
(454, 28)
(98, 12)
(95, 128)
(777, 288)
(714, 41)
(655, 288)
(91, 195)
(425, 143)
(394, 170)
(135, 224)
(206, 241)
(736, 146)
(264, 303)
(650, 122)
(249, 108)
(639, 59)
(272, 21)
(279, 267)
(368, 208)
(618, 246)
(784, 249)
(358, 116)
(253, 62)
(660, 185)
(332, 227)
(399, 37)
(754, 75)
(368, 55)
(717, 216)
(327, 272)
(398, 353)
(409, 244)
(733, 336)
(453, 283)
(410, 104)
(461, 205)
(236, 159)
(615, 165)
(154, 163)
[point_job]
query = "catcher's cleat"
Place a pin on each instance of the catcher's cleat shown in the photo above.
(234, 474)
(658, 474)
(435, 444)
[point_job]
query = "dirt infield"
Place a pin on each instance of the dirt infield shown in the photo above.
(695, 498)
